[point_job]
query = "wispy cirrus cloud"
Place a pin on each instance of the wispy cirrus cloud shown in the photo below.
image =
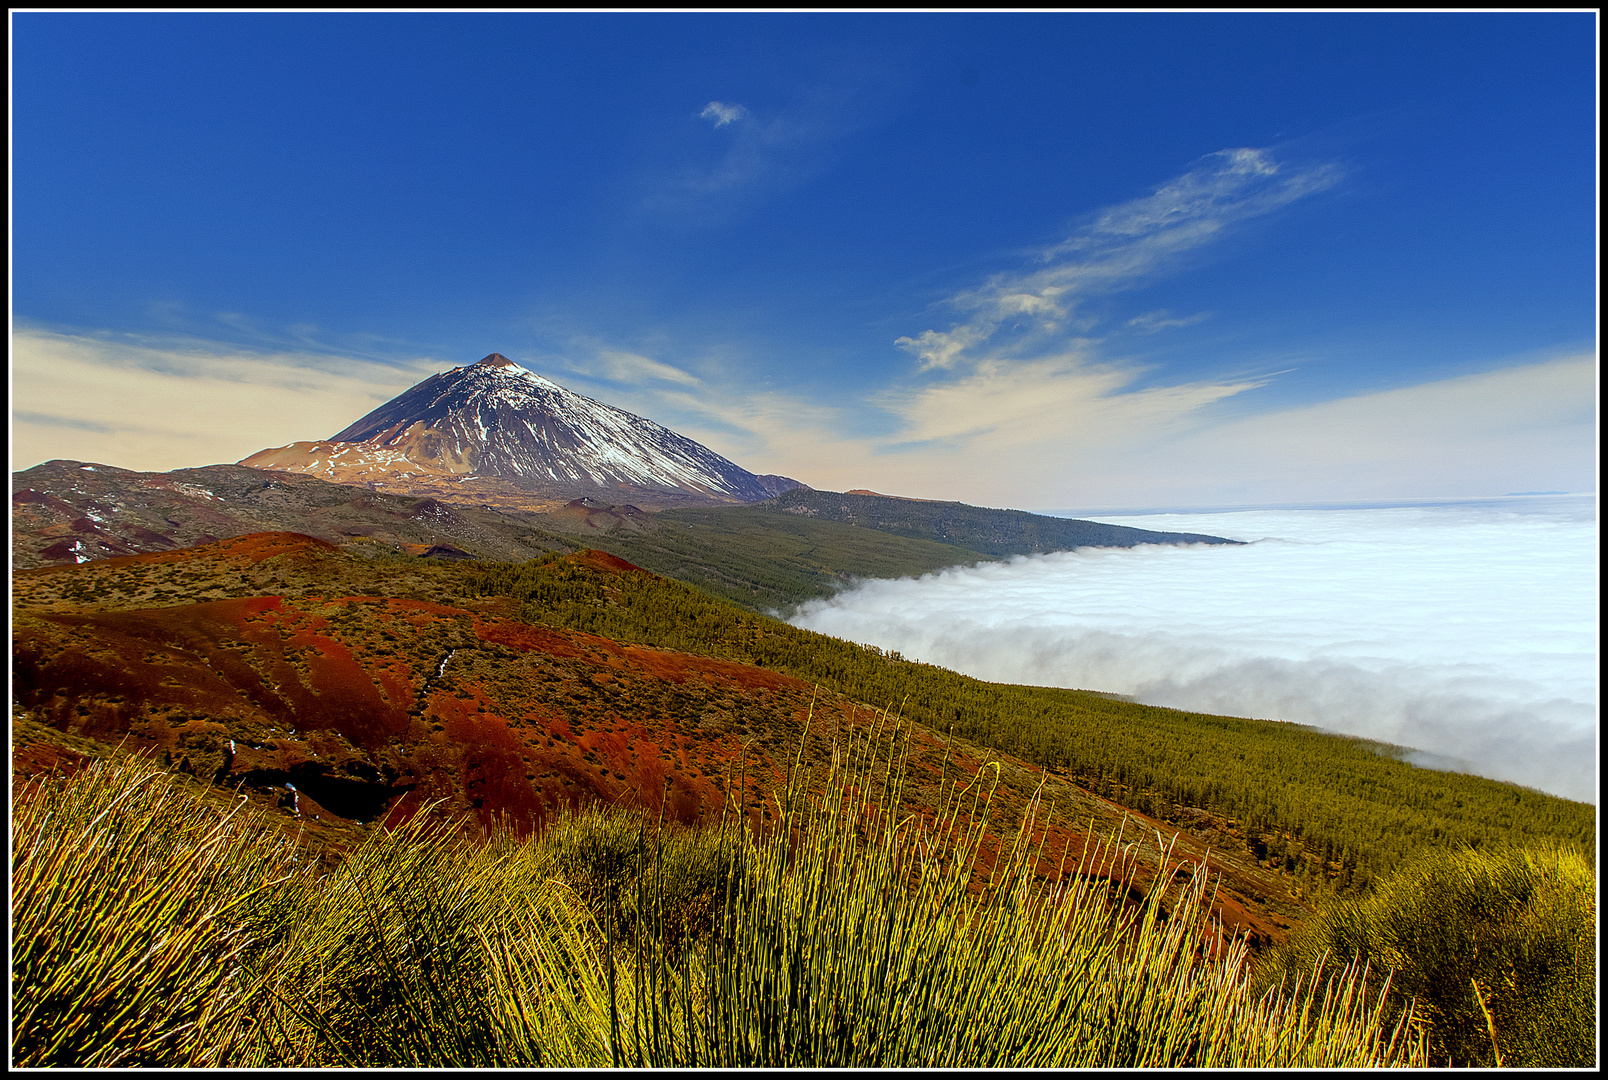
(1023, 382)
(1019, 398)
(754, 150)
(1529, 426)
(1065, 432)
(1152, 322)
(1020, 312)
(722, 113)
(630, 367)
(1062, 401)
(597, 366)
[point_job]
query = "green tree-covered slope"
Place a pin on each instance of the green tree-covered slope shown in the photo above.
(769, 562)
(806, 544)
(1328, 808)
(1000, 533)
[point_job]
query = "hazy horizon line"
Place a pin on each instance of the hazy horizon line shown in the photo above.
(1326, 504)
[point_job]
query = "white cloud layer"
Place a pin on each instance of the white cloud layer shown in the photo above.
(171, 406)
(1465, 631)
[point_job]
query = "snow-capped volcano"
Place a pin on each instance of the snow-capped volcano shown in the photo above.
(495, 419)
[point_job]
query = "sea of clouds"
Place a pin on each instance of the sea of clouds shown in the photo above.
(1463, 630)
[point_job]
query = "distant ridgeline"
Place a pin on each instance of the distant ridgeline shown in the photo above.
(805, 545)
(1000, 533)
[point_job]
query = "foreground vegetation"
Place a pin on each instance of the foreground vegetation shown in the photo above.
(1495, 946)
(1331, 811)
(158, 923)
(154, 927)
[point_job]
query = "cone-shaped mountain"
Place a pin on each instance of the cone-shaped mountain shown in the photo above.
(497, 419)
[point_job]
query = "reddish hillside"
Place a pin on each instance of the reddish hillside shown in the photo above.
(245, 550)
(499, 717)
(68, 512)
(346, 708)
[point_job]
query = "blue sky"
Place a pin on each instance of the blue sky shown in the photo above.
(1032, 260)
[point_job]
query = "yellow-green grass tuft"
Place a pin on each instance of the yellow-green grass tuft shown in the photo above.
(848, 933)
(136, 904)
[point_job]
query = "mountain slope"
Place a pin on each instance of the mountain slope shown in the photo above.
(74, 512)
(70, 512)
(347, 694)
(349, 691)
(765, 562)
(494, 420)
(1000, 533)
(352, 688)
(806, 544)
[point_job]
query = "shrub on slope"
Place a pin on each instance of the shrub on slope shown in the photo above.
(1497, 947)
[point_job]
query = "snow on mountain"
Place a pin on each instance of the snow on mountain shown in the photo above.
(495, 419)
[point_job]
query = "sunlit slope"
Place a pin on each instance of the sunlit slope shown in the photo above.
(1325, 808)
(340, 691)
(74, 512)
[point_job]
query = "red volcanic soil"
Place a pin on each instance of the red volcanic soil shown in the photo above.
(602, 560)
(372, 706)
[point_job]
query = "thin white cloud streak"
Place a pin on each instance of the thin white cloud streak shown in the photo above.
(629, 367)
(755, 158)
(1004, 407)
(159, 407)
(1155, 321)
(1468, 633)
(1123, 246)
(763, 431)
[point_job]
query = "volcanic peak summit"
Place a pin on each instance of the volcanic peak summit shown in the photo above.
(496, 420)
